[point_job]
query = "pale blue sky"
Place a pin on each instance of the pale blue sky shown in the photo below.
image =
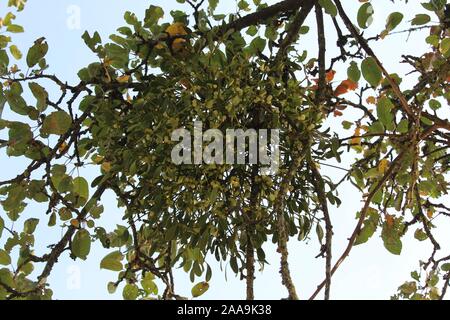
(370, 272)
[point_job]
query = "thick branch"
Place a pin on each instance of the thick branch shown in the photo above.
(282, 233)
(294, 28)
(322, 50)
(264, 14)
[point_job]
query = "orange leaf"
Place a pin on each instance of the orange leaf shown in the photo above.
(75, 223)
(352, 86)
(389, 220)
(330, 75)
(371, 100)
(340, 90)
(345, 86)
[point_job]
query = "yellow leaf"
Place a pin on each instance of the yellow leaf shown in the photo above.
(365, 128)
(123, 79)
(383, 165)
(178, 44)
(106, 166)
(176, 29)
(97, 159)
(357, 139)
(62, 148)
(430, 214)
(371, 100)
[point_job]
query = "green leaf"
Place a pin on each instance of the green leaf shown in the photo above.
(16, 53)
(353, 72)
(40, 94)
(112, 287)
(6, 277)
(14, 28)
(403, 126)
(2, 226)
(420, 235)
(319, 232)
(391, 238)
(434, 5)
(112, 261)
(81, 187)
(408, 288)
(303, 30)
(17, 103)
(420, 19)
(148, 284)
(81, 244)
(243, 5)
(57, 123)
(213, 4)
(9, 17)
(4, 41)
(36, 53)
(426, 121)
(153, 15)
(91, 42)
(5, 259)
(30, 225)
(252, 31)
(130, 292)
(119, 56)
(4, 60)
(52, 220)
(369, 227)
(199, 289)
(209, 273)
(445, 267)
(445, 47)
(347, 124)
(258, 44)
(365, 14)
(432, 40)
(435, 104)
(234, 265)
(384, 112)
(393, 20)
(371, 72)
(329, 7)
(65, 214)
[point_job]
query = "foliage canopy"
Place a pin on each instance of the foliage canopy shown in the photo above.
(241, 70)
